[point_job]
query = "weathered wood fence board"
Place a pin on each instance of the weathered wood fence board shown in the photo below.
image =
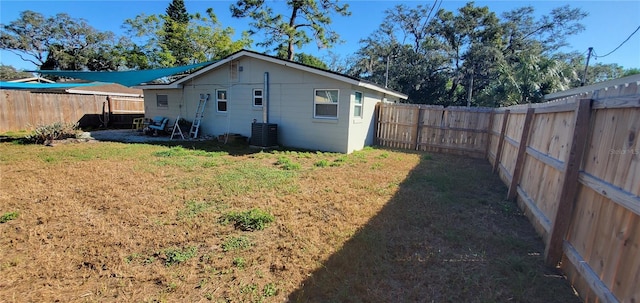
(127, 105)
(24, 110)
(573, 165)
(396, 126)
(434, 128)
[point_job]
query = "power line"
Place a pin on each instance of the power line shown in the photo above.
(623, 42)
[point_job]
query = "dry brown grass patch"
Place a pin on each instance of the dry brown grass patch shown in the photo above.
(102, 222)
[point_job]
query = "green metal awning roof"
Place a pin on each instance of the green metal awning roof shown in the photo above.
(126, 78)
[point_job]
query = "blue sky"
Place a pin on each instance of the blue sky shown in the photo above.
(608, 24)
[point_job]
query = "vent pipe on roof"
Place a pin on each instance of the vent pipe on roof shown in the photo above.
(265, 99)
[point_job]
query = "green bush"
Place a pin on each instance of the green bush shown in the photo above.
(255, 219)
(55, 131)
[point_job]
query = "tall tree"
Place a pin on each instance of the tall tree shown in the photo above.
(532, 65)
(470, 55)
(174, 39)
(291, 30)
(471, 39)
(526, 80)
(177, 12)
(8, 73)
(550, 32)
(339, 63)
(204, 39)
(59, 41)
(302, 58)
(602, 72)
(631, 71)
(29, 37)
(412, 23)
(403, 55)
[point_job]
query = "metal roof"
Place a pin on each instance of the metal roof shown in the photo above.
(311, 69)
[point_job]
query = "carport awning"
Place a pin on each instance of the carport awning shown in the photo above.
(126, 78)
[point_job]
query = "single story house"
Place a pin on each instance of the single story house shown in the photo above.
(312, 108)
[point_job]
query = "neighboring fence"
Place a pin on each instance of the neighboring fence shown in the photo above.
(456, 130)
(24, 110)
(574, 167)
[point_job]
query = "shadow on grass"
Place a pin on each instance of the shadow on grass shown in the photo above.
(447, 235)
(234, 147)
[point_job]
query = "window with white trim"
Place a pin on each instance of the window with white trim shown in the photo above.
(221, 100)
(162, 100)
(357, 105)
(257, 97)
(325, 103)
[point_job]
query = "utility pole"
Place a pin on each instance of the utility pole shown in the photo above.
(470, 94)
(584, 77)
(391, 55)
(386, 74)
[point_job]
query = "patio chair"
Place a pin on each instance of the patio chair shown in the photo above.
(138, 123)
(158, 123)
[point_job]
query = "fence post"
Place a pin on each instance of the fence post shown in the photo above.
(505, 119)
(418, 128)
(562, 220)
(488, 141)
(524, 140)
(376, 125)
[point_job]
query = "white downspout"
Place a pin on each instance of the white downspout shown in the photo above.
(265, 99)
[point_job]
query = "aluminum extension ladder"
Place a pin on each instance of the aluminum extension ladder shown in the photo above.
(195, 126)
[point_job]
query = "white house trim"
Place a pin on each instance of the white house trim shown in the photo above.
(101, 93)
(245, 53)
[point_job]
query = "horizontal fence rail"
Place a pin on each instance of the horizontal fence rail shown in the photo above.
(434, 128)
(573, 166)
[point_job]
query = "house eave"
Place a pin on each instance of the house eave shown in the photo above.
(159, 86)
(384, 91)
(101, 93)
(282, 62)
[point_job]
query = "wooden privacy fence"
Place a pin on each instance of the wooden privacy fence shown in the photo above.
(456, 130)
(573, 166)
(24, 110)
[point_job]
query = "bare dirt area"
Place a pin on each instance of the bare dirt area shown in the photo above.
(154, 222)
